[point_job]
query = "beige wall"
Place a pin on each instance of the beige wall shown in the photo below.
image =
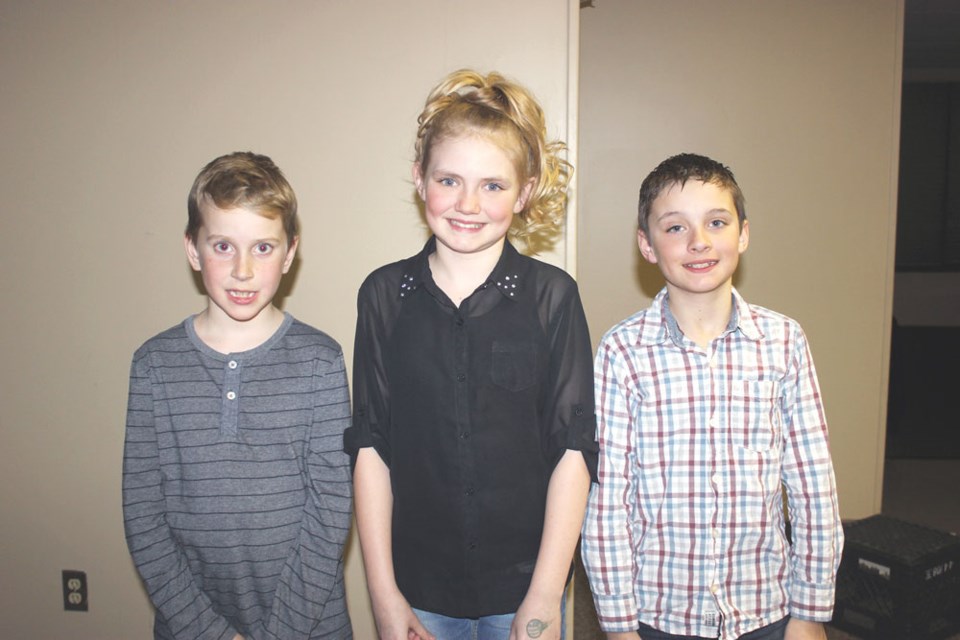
(801, 99)
(109, 110)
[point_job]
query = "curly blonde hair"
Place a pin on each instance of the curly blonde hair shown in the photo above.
(467, 102)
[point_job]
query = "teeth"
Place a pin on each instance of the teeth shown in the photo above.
(700, 265)
(465, 225)
(242, 294)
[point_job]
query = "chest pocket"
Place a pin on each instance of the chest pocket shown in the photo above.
(754, 414)
(513, 365)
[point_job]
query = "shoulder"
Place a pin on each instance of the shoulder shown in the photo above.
(629, 330)
(171, 341)
(385, 280)
(548, 281)
(772, 325)
(307, 340)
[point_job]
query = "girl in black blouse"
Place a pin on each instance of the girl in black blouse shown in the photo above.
(473, 432)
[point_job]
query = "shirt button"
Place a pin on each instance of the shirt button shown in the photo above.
(714, 589)
(232, 364)
(715, 478)
(472, 546)
(715, 533)
(459, 322)
(461, 377)
(231, 395)
(578, 411)
(469, 491)
(464, 435)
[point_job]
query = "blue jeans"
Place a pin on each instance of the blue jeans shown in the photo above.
(770, 632)
(485, 628)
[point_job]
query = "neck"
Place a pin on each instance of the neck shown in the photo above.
(226, 335)
(459, 274)
(702, 316)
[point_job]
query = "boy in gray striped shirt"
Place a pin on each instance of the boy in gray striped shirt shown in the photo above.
(236, 490)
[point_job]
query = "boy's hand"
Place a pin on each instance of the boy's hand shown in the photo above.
(624, 635)
(238, 637)
(537, 619)
(804, 630)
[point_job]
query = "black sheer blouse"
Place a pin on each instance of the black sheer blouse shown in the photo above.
(471, 408)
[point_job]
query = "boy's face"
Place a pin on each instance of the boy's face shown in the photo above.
(242, 257)
(694, 238)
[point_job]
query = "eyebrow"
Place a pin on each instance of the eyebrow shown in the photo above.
(677, 212)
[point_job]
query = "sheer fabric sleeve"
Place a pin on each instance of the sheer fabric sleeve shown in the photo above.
(569, 404)
(371, 393)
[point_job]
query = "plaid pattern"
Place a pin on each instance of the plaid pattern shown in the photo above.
(685, 530)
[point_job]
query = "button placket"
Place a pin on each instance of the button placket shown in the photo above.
(230, 406)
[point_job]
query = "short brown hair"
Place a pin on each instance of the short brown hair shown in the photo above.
(677, 170)
(243, 179)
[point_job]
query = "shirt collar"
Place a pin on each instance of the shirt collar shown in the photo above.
(507, 276)
(660, 325)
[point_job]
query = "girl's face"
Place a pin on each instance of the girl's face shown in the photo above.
(471, 190)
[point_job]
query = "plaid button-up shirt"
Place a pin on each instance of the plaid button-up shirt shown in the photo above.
(685, 530)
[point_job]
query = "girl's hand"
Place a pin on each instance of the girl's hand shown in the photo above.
(537, 619)
(397, 621)
(804, 630)
(624, 635)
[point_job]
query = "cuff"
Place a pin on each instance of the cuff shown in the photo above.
(616, 613)
(810, 601)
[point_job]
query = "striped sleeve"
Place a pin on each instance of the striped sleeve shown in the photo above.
(607, 541)
(306, 603)
(159, 559)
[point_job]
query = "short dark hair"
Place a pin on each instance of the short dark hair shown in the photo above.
(677, 170)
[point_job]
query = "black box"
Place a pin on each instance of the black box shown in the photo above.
(898, 581)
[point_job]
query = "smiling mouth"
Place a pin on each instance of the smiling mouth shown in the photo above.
(466, 226)
(699, 266)
(241, 296)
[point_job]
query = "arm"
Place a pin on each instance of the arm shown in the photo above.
(315, 564)
(368, 441)
(374, 497)
(161, 562)
(804, 630)
(811, 491)
(539, 613)
(607, 547)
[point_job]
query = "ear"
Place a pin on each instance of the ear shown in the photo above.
(291, 253)
(193, 256)
(418, 181)
(524, 196)
(744, 236)
(646, 248)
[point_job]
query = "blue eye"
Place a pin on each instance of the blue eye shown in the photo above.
(718, 223)
(674, 228)
(447, 182)
(493, 186)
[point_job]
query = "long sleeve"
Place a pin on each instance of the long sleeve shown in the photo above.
(811, 491)
(607, 533)
(370, 388)
(308, 602)
(159, 558)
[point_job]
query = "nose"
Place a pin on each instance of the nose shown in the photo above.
(243, 267)
(699, 240)
(468, 202)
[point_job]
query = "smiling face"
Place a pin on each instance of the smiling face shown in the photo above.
(695, 238)
(242, 256)
(471, 191)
